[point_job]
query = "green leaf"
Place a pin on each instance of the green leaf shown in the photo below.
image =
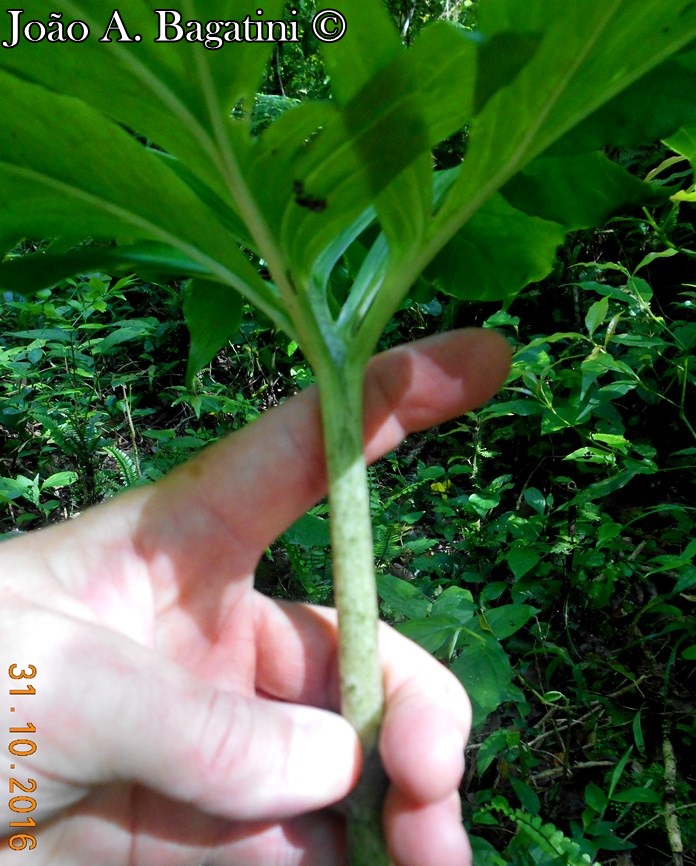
(667, 90)
(684, 141)
(482, 504)
(442, 65)
(510, 407)
(176, 94)
(501, 57)
(600, 489)
(484, 670)
(497, 742)
(608, 532)
(29, 273)
(596, 315)
(595, 798)
(535, 499)
(14, 488)
(637, 795)
(45, 191)
(133, 329)
(348, 64)
(309, 531)
(618, 772)
(559, 417)
(455, 602)
(577, 190)
(591, 455)
(638, 732)
(522, 560)
(587, 56)
(526, 795)
(213, 313)
(612, 843)
(59, 479)
(432, 632)
(687, 579)
(402, 597)
(522, 247)
(485, 854)
(505, 620)
(387, 127)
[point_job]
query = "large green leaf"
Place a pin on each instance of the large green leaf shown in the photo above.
(348, 63)
(567, 67)
(501, 57)
(668, 90)
(325, 182)
(684, 142)
(209, 330)
(498, 252)
(484, 670)
(29, 273)
(521, 229)
(443, 64)
(457, 71)
(178, 94)
(115, 189)
(577, 191)
(588, 54)
(310, 186)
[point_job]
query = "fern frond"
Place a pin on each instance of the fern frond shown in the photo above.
(78, 440)
(125, 464)
(548, 837)
(62, 432)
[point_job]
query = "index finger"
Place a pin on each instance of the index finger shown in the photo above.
(254, 484)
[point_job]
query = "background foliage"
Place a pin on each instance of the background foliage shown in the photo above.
(542, 546)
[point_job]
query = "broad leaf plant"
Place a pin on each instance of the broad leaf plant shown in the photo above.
(139, 156)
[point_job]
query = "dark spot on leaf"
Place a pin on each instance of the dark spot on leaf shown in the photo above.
(305, 200)
(314, 204)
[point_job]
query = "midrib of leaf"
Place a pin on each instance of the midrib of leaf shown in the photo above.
(444, 226)
(153, 229)
(521, 155)
(223, 158)
(300, 313)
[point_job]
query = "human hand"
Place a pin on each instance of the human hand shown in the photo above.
(181, 717)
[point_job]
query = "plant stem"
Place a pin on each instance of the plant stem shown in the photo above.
(362, 692)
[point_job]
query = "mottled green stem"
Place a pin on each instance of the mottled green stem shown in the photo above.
(355, 594)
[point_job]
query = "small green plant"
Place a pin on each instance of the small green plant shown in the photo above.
(547, 839)
(332, 215)
(71, 357)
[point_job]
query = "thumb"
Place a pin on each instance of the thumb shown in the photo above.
(144, 719)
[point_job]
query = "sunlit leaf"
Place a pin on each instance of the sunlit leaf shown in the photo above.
(571, 75)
